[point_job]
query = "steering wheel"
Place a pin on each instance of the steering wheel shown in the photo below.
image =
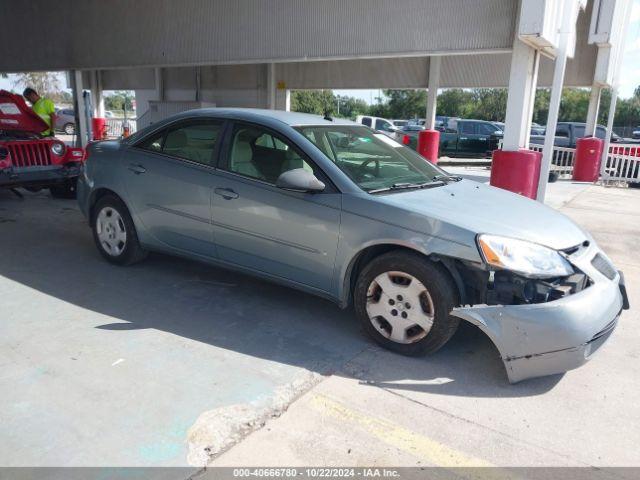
(364, 165)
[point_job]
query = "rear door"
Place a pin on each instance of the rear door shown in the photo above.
(467, 139)
(169, 183)
(261, 227)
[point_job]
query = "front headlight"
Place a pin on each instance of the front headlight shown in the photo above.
(57, 149)
(526, 258)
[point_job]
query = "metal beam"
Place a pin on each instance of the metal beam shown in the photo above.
(592, 113)
(271, 86)
(523, 78)
(82, 132)
(435, 64)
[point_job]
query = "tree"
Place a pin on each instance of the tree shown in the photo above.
(319, 102)
(45, 83)
(351, 107)
(118, 100)
(454, 102)
(406, 103)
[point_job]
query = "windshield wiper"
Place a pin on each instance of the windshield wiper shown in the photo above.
(446, 176)
(408, 186)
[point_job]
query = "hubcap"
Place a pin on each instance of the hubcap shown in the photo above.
(400, 307)
(111, 231)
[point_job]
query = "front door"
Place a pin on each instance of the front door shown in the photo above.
(169, 184)
(264, 228)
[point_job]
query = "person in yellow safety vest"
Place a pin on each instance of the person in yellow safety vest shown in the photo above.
(44, 108)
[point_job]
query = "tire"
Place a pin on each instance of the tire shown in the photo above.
(114, 232)
(66, 190)
(69, 128)
(414, 334)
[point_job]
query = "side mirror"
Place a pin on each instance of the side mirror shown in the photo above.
(300, 180)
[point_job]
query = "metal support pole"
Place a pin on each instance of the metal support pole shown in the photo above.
(198, 83)
(552, 119)
(523, 78)
(159, 83)
(614, 91)
(82, 137)
(271, 86)
(96, 94)
(592, 113)
(435, 64)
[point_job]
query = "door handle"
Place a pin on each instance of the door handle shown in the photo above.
(464, 138)
(137, 169)
(226, 193)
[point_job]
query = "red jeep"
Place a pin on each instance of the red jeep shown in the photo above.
(29, 160)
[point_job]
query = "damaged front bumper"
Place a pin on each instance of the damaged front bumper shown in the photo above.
(38, 175)
(548, 338)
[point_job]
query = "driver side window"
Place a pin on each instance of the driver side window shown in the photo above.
(257, 153)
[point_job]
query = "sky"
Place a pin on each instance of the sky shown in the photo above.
(629, 78)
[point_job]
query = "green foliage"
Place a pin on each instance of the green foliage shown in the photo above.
(118, 101)
(318, 102)
(479, 103)
(351, 107)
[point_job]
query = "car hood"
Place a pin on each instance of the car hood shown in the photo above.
(15, 114)
(479, 208)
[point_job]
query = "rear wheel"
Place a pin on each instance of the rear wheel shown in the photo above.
(66, 190)
(403, 301)
(114, 232)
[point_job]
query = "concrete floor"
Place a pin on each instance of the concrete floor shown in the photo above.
(171, 362)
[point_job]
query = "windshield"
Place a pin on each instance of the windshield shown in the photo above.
(372, 160)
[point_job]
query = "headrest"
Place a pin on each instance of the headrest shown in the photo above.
(176, 139)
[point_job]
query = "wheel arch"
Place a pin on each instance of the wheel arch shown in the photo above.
(370, 252)
(99, 193)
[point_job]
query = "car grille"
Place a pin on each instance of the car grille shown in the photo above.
(29, 154)
(604, 266)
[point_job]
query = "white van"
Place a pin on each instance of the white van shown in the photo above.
(381, 125)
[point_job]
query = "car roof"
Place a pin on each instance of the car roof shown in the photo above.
(294, 119)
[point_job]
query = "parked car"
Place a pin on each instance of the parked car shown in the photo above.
(400, 123)
(461, 138)
(636, 134)
(65, 121)
(333, 208)
(568, 132)
(381, 125)
(30, 161)
(537, 129)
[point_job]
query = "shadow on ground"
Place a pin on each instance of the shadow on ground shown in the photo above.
(47, 246)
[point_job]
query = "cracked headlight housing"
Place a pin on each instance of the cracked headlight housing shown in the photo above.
(526, 258)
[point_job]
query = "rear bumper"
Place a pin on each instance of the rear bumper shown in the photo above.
(38, 175)
(550, 338)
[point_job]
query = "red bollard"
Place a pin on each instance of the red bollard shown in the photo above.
(586, 166)
(517, 172)
(428, 144)
(98, 128)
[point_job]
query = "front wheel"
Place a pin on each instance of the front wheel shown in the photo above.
(403, 302)
(69, 129)
(114, 232)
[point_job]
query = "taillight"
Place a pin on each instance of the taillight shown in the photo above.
(406, 140)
